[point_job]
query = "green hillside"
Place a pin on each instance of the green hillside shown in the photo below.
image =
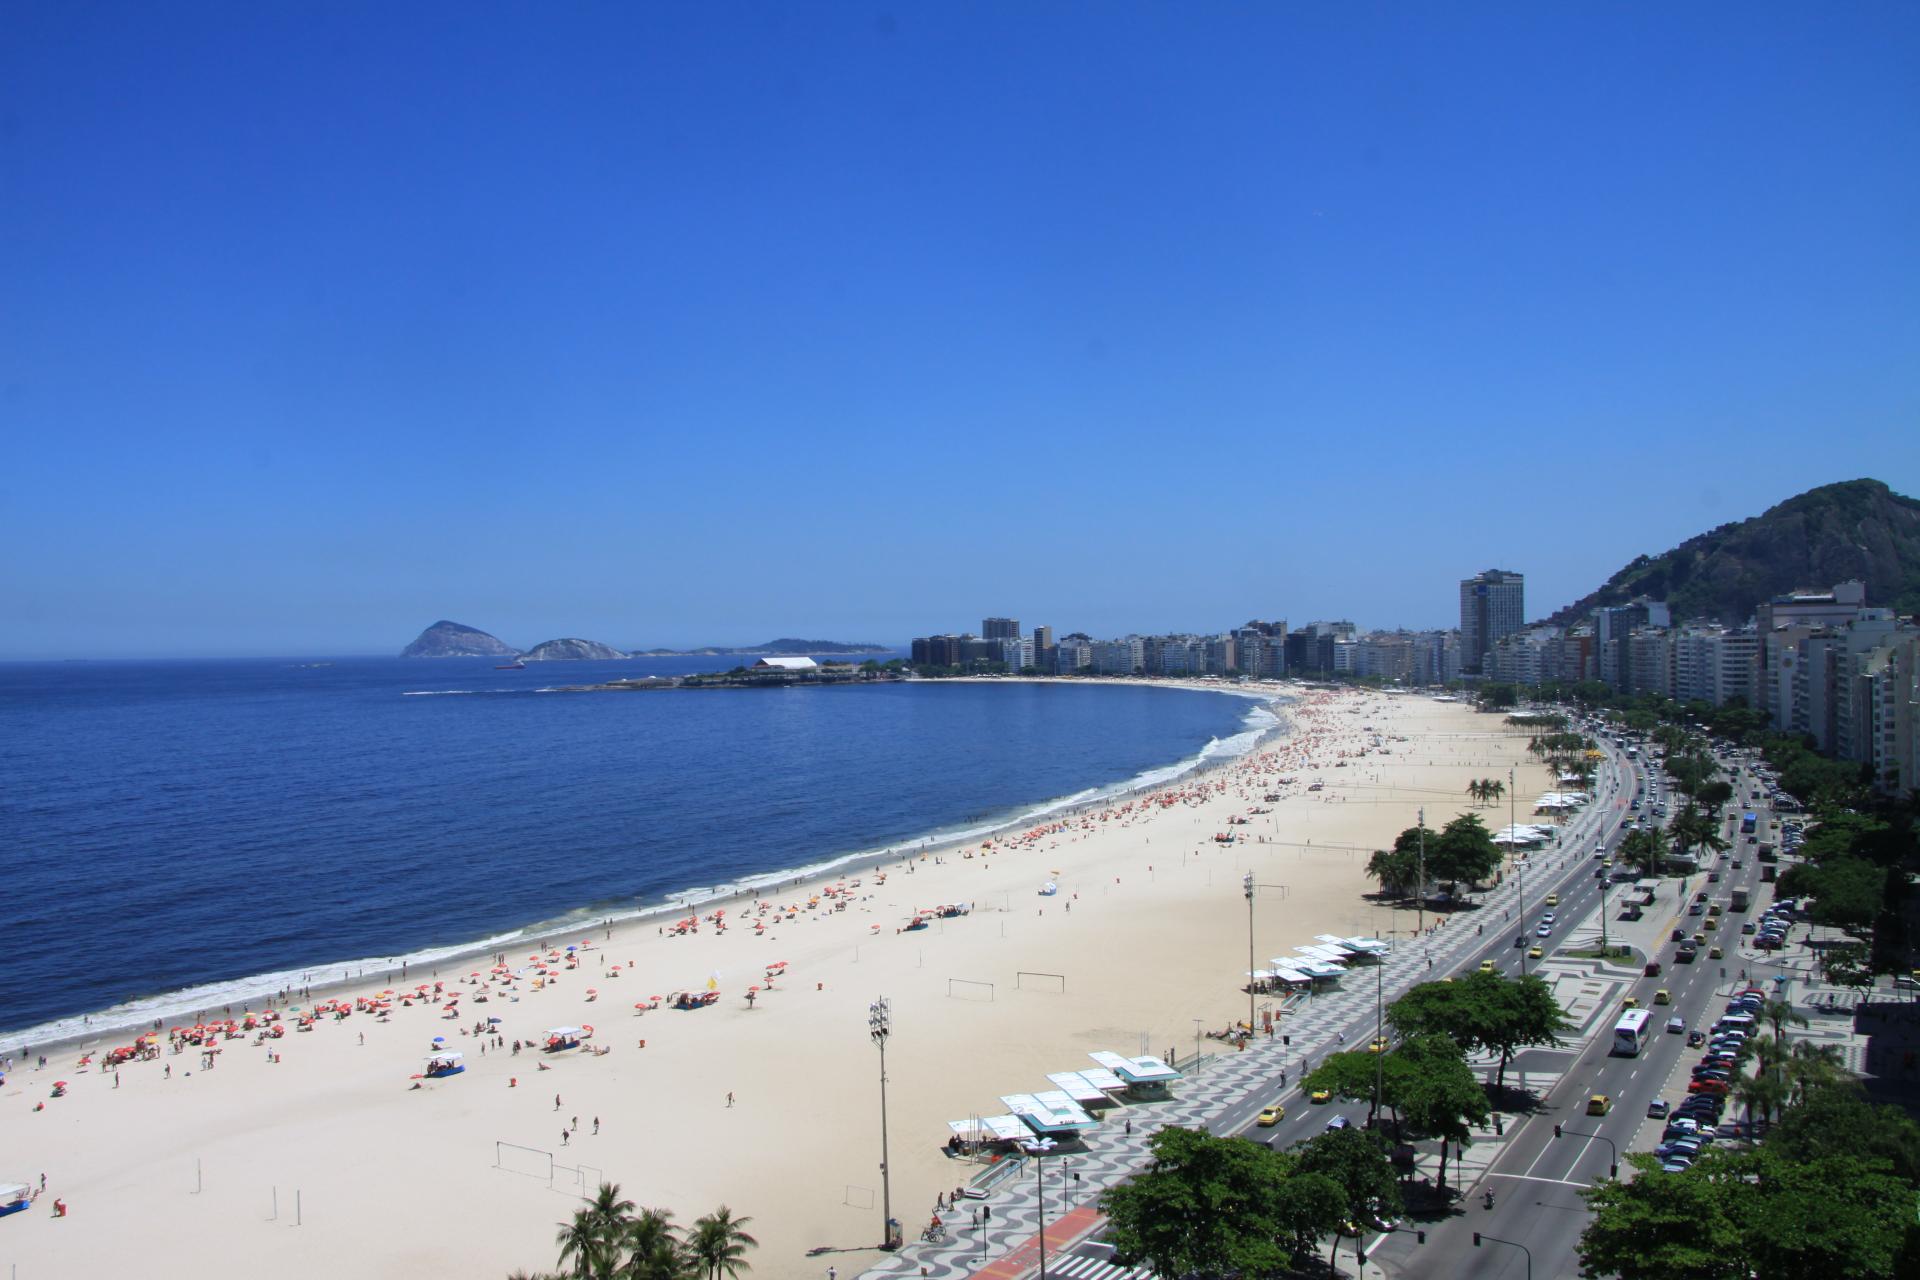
(1854, 529)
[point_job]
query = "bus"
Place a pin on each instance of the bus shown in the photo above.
(1630, 1032)
(1747, 823)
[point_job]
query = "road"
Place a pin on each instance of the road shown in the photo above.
(1537, 1178)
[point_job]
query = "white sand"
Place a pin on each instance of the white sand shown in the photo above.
(1149, 929)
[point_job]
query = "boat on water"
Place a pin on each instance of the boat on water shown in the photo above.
(510, 666)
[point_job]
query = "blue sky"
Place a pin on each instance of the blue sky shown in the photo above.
(672, 324)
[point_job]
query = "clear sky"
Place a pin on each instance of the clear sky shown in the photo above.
(666, 324)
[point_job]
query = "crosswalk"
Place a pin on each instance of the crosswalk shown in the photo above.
(1086, 1267)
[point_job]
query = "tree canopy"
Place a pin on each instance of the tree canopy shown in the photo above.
(1464, 850)
(1484, 1011)
(1218, 1206)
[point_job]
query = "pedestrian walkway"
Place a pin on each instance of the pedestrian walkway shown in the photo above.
(1325, 1024)
(1090, 1268)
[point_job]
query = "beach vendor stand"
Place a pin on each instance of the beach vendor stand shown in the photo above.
(1147, 1079)
(560, 1038)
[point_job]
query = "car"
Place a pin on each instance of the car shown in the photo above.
(1520, 941)
(1657, 1108)
(1699, 939)
(1544, 931)
(1320, 1095)
(1536, 953)
(1339, 1122)
(1663, 996)
(1486, 966)
(1715, 953)
(1676, 1025)
(1747, 929)
(1679, 935)
(1271, 1116)
(1548, 917)
(1695, 1039)
(1713, 877)
(1631, 1002)
(1696, 909)
(1708, 1086)
(1599, 1104)
(1712, 924)
(1553, 899)
(1379, 1045)
(1736, 864)
(1653, 969)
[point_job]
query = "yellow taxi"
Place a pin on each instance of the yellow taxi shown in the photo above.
(1631, 1002)
(1486, 966)
(1599, 1104)
(1379, 1045)
(1271, 1116)
(1320, 1095)
(1712, 924)
(1553, 899)
(1663, 996)
(1715, 953)
(1699, 939)
(1535, 953)
(1713, 908)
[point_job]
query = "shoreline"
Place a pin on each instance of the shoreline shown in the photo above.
(100, 1027)
(1120, 927)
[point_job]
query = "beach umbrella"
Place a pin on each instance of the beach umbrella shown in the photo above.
(59, 1084)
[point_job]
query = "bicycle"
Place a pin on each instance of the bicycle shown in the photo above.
(934, 1235)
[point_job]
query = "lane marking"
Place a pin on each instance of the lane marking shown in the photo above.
(1523, 1177)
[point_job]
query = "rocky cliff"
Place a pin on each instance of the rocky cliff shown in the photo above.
(572, 650)
(454, 640)
(1854, 529)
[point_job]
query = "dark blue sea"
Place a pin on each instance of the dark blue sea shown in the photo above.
(182, 834)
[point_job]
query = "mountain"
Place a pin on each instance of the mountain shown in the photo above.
(456, 640)
(572, 650)
(1854, 529)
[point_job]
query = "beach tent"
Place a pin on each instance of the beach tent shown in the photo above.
(1102, 1078)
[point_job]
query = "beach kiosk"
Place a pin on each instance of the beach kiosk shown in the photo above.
(988, 1131)
(446, 1063)
(1087, 1095)
(1146, 1079)
(1052, 1116)
(14, 1197)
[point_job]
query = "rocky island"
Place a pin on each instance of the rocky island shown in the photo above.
(572, 650)
(456, 640)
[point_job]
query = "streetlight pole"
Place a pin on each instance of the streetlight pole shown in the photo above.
(880, 1026)
(1519, 867)
(1040, 1192)
(1511, 1244)
(1420, 873)
(1252, 980)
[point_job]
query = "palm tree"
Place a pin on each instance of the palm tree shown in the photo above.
(719, 1243)
(584, 1245)
(654, 1252)
(1779, 1015)
(1646, 848)
(1478, 789)
(1495, 788)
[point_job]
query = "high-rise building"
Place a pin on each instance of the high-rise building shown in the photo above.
(1492, 605)
(1043, 653)
(1000, 628)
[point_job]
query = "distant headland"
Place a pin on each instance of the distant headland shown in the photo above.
(446, 639)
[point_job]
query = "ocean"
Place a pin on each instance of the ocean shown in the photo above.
(185, 834)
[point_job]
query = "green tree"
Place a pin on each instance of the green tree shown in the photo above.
(1352, 1077)
(1463, 850)
(1838, 1120)
(1644, 849)
(719, 1242)
(1396, 869)
(1437, 1093)
(1353, 1161)
(1837, 1215)
(653, 1248)
(1207, 1204)
(1483, 1011)
(1661, 1227)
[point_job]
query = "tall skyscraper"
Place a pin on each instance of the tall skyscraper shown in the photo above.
(1492, 604)
(1000, 628)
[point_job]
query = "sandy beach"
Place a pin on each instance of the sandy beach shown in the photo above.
(312, 1153)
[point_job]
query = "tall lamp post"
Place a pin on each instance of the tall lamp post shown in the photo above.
(880, 1026)
(1253, 980)
(1250, 885)
(1519, 867)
